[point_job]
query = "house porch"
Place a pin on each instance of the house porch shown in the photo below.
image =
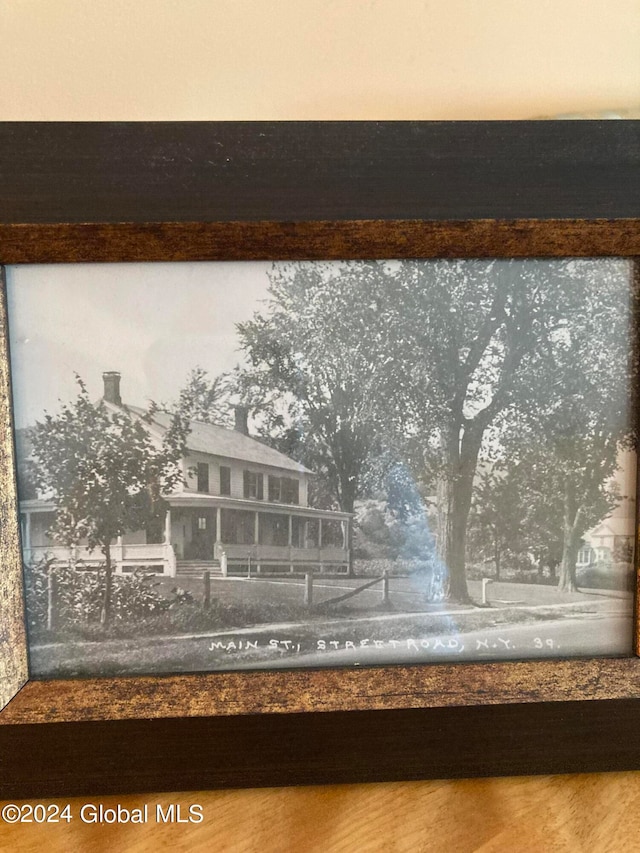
(202, 532)
(233, 536)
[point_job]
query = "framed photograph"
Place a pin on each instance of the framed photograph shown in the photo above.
(320, 452)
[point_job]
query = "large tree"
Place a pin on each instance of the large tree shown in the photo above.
(539, 501)
(574, 439)
(365, 357)
(314, 374)
(483, 342)
(105, 473)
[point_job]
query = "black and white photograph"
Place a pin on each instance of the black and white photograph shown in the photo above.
(250, 465)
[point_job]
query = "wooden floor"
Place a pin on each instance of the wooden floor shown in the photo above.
(598, 812)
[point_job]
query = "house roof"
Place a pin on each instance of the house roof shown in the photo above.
(220, 441)
(612, 526)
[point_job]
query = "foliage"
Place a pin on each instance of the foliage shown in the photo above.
(78, 596)
(571, 442)
(314, 376)
(141, 606)
(381, 376)
(496, 523)
(399, 567)
(105, 472)
(205, 399)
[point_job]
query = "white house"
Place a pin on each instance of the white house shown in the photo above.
(612, 540)
(242, 507)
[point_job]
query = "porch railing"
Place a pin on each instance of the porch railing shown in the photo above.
(125, 558)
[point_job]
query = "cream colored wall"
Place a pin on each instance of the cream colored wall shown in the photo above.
(316, 59)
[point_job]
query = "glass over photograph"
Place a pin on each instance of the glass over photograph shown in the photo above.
(253, 465)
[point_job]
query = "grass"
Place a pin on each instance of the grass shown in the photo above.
(265, 645)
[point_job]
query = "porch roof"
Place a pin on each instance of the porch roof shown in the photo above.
(198, 500)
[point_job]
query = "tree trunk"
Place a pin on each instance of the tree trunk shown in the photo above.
(455, 487)
(572, 537)
(347, 503)
(349, 533)
(454, 503)
(567, 582)
(496, 557)
(105, 614)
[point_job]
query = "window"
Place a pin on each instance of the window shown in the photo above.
(225, 480)
(586, 556)
(238, 527)
(311, 533)
(253, 485)
(274, 529)
(203, 477)
(202, 522)
(290, 491)
(332, 534)
(284, 490)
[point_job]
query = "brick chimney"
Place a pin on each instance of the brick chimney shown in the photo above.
(242, 419)
(111, 379)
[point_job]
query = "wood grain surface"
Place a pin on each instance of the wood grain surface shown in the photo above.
(296, 691)
(312, 240)
(594, 813)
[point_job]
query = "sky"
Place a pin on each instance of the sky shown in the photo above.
(152, 322)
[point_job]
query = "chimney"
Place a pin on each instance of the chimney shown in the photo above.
(111, 381)
(242, 419)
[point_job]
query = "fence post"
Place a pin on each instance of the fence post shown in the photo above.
(51, 595)
(385, 588)
(206, 577)
(485, 582)
(308, 589)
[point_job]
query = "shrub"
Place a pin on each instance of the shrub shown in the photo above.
(79, 594)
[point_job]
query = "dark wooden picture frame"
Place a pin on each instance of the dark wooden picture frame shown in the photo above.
(226, 191)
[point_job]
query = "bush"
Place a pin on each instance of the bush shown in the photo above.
(399, 567)
(139, 608)
(79, 596)
(379, 534)
(610, 576)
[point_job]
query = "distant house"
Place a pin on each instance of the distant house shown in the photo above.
(612, 540)
(243, 507)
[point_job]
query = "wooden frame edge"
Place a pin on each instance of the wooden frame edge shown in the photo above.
(315, 240)
(305, 726)
(126, 756)
(13, 638)
(328, 691)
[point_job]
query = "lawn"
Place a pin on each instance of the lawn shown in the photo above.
(439, 629)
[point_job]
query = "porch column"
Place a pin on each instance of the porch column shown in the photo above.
(26, 536)
(256, 529)
(319, 533)
(290, 531)
(118, 559)
(218, 526)
(167, 527)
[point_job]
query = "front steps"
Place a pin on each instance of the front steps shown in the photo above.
(196, 568)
